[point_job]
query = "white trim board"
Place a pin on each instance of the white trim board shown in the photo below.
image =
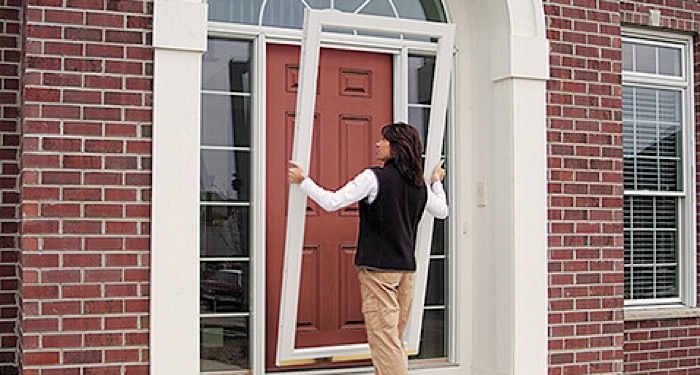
(314, 21)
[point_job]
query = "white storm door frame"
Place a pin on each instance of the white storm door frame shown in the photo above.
(314, 21)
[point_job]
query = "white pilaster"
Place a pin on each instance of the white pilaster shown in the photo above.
(179, 38)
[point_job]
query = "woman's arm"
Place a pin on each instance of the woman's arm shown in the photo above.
(363, 185)
(437, 202)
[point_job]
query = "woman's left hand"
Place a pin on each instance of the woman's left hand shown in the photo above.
(296, 173)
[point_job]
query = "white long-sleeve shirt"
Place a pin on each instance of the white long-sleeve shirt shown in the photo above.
(366, 185)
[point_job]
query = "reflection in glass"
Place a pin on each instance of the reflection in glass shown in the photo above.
(379, 8)
(225, 120)
(645, 58)
(235, 11)
(225, 175)
(224, 231)
(223, 287)
(284, 13)
(421, 70)
(432, 343)
(224, 344)
(439, 233)
(626, 56)
(428, 10)
(226, 65)
(290, 13)
(435, 291)
(419, 118)
(670, 61)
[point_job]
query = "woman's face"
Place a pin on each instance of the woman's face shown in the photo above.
(383, 150)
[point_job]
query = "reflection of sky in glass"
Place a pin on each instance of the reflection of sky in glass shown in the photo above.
(652, 59)
(290, 13)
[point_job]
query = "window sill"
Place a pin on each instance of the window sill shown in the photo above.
(659, 313)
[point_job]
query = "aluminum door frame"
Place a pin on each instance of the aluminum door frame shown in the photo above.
(314, 22)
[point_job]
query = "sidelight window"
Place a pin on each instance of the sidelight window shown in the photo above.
(225, 204)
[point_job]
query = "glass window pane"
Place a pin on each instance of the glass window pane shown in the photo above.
(378, 8)
(643, 285)
(666, 282)
(642, 212)
(226, 65)
(644, 103)
(652, 139)
(435, 291)
(225, 175)
(284, 13)
(627, 56)
(225, 120)
(439, 233)
(429, 10)
(290, 13)
(420, 79)
(670, 61)
(419, 118)
(319, 4)
(224, 287)
(645, 58)
(669, 105)
(224, 344)
(666, 246)
(432, 343)
(666, 212)
(348, 5)
(236, 11)
(224, 231)
(651, 247)
(643, 252)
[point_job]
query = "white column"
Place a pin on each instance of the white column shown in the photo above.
(179, 39)
(519, 74)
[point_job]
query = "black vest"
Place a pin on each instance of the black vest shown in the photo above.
(388, 226)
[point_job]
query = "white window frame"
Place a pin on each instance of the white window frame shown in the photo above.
(687, 216)
(314, 21)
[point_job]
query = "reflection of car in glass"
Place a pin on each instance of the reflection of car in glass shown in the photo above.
(224, 289)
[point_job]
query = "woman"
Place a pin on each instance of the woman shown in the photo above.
(392, 200)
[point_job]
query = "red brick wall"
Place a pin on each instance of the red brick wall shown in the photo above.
(584, 102)
(585, 187)
(10, 56)
(668, 346)
(86, 186)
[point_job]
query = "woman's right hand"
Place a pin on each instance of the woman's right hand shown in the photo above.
(438, 173)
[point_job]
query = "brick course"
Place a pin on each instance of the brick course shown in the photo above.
(10, 54)
(584, 101)
(86, 186)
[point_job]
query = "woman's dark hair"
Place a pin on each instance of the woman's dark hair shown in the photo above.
(406, 150)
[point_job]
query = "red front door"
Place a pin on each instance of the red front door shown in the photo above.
(354, 100)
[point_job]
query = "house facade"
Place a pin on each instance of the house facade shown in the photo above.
(143, 169)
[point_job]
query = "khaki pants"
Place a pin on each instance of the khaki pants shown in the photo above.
(386, 303)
